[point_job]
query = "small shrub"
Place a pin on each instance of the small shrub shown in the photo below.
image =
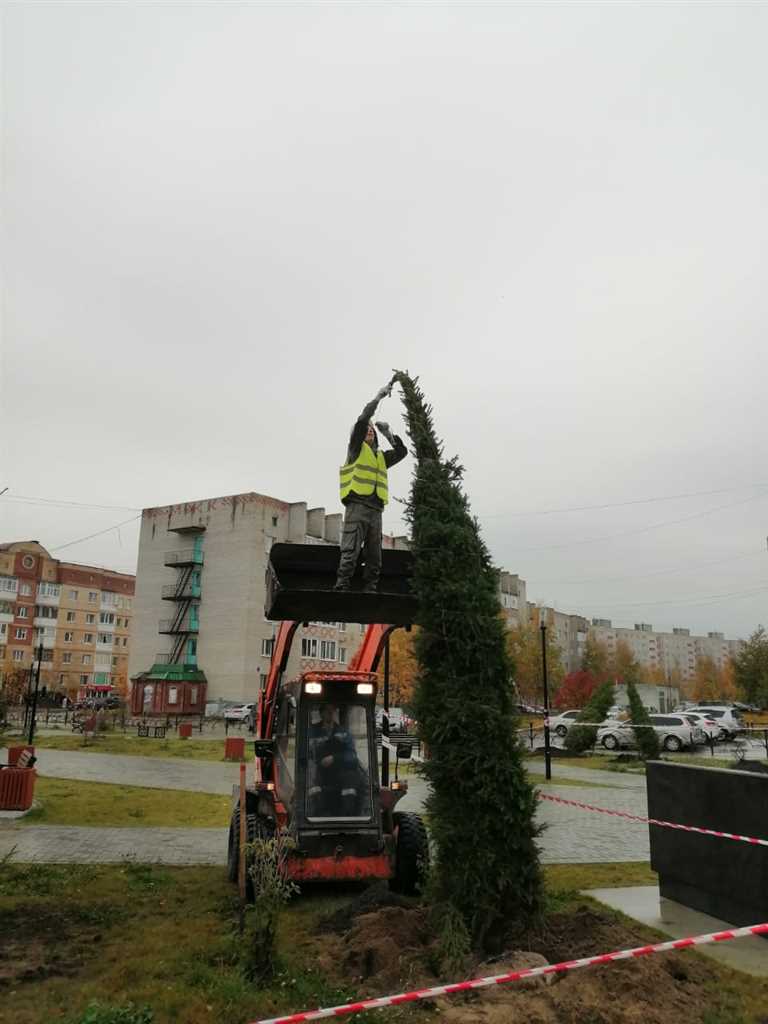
(582, 737)
(453, 943)
(101, 1013)
(271, 888)
(646, 738)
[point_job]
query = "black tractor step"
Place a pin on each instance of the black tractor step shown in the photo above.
(301, 578)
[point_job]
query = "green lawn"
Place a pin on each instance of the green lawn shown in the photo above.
(119, 743)
(68, 802)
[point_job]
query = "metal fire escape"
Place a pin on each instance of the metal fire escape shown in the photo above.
(185, 593)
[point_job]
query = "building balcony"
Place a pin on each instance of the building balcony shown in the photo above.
(182, 557)
(51, 600)
(40, 621)
(171, 627)
(170, 593)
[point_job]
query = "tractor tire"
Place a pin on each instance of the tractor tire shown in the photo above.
(411, 853)
(253, 828)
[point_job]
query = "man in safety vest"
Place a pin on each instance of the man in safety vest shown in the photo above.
(364, 493)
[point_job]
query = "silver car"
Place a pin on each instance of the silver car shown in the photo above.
(614, 734)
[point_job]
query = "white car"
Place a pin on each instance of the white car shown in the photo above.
(674, 731)
(727, 721)
(240, 713)
(560, 724)
(704, 727)
(614, 734)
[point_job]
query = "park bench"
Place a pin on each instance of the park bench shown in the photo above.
(155, 731)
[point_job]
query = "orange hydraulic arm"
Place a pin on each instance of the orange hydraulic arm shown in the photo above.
(366, 657)
(277, 665)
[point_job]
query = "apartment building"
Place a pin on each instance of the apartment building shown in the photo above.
(569, 631)
(80, 614)
(200, 593)
(673, 653)
(512, 594)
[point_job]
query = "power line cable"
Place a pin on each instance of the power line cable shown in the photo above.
(80, 540)
(704, 599)
(641, 576)
(644, 529)
(62, 503)
(618, 504)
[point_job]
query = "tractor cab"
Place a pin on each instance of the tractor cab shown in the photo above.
(317, 775)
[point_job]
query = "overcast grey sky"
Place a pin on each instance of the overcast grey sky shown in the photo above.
(224, 225)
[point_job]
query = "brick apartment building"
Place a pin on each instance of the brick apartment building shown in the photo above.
(80, 614)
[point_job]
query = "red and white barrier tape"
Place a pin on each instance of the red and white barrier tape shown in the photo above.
(653, 821)
(529, 972)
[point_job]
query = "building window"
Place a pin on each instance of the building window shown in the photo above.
(193, 695)
(48, 589)
(125, 641)
(68, 638)
(25, 589)
(21, 634)
(66, 657)
(74, 594)
(327, 650)
(23, 611)
(83, 680)
(342, 627)
(87, 638)
(70, 616)
(18, 655)
(107, 618)
(93, 596)
(90, 619)
(86, 659)
(45, 612)
(106, 638)
(173, 695)
(343, 655)
(267, 646)
(308, 647)
(9, 584)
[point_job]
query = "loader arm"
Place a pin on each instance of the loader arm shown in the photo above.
(366, 657)
(277, 665)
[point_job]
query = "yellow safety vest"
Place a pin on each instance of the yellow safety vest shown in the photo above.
(366, 476)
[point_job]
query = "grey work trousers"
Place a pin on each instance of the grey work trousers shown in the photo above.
(361, 533)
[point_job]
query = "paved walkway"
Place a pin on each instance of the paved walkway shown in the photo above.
(128, 770)
(570, 836)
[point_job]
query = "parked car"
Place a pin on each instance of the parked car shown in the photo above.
(560, 724)
(726, 719)
(674, 731)
(241, 713)
(398, 720)
(704, 727)
(614, 734)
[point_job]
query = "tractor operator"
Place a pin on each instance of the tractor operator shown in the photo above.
(364, 493)
(336, 767)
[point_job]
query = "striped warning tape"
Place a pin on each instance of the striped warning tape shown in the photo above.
(653, 821)
(528, 972)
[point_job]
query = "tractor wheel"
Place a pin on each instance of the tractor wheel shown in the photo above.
(411, 853)
(253, 828)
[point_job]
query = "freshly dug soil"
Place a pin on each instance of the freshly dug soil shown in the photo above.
(390, 950)
(39, 942)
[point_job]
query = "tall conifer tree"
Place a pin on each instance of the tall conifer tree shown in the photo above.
(482, 803)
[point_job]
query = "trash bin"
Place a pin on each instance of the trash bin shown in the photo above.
(17, 788)
(14, 752)
(185, 731)
(234, 748)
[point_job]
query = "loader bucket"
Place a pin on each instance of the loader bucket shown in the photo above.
(300, 580)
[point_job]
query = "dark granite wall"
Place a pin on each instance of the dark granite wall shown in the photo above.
(720, 877)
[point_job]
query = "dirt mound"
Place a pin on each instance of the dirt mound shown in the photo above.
(375, 897)
(391, 949)
(38, 942)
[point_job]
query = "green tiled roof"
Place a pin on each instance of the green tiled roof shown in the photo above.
(179, 673)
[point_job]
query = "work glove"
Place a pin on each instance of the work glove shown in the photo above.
(384, 428)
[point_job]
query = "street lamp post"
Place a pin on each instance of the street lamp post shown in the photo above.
(34, 695)
(547, 749)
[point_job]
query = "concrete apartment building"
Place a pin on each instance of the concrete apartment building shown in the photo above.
(672, 653)
(81, 615)
(199, 611)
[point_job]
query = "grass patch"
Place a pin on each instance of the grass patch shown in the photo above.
(72, 802)
(578, 877)
(133, 746)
